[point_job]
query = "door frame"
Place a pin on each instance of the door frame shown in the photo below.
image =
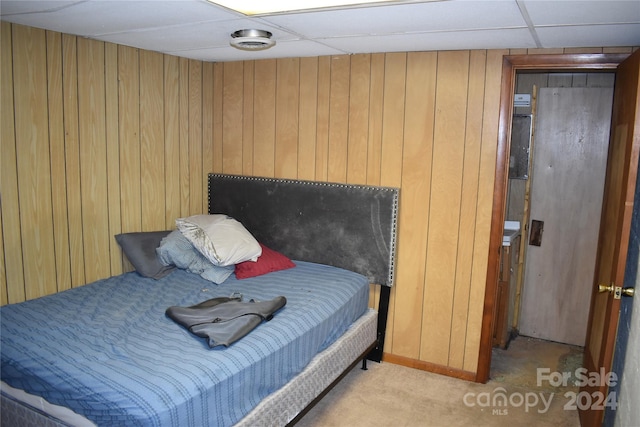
(511, 64)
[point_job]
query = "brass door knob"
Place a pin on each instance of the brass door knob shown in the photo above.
(628, 292)
(606, 288)
(616, 291)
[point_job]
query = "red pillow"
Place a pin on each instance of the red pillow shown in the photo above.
(268, 262)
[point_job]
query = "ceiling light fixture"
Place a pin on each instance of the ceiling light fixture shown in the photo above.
(251, 40)
(261, 7)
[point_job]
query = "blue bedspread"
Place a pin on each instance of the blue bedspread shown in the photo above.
(107, 351)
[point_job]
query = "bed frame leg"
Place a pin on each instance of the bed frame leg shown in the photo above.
(364, 364)
(383, 313)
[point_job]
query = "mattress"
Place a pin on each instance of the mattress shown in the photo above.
(108, 352)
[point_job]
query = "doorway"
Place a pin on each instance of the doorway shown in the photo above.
(557, 166)
(617, 210)
(512, 64)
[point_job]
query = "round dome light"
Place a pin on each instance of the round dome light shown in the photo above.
(251, 40)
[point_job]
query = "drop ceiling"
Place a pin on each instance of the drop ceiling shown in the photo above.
(198, 29)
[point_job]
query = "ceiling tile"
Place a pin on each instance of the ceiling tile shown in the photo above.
(583, 12)
(594, 36)
(405, 18)
(193, 36)
(101, 17)
(487, 39)
(10, 7)
(300, 48)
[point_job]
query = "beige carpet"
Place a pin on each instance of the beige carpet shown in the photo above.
(392, 395)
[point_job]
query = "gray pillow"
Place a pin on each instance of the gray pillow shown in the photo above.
(140, 250)
(176, 249)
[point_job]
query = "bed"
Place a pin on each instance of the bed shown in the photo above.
(107, 354)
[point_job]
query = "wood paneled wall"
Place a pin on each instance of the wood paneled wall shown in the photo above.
(99, 139)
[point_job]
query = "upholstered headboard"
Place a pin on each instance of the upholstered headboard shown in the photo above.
(347, 226)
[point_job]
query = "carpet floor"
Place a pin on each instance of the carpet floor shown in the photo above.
(393, 395)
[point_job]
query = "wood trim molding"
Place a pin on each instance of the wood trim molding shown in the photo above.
(511, 64)
(429, 367)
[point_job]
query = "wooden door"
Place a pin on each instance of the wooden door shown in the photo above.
(622, 169)
(571, 144)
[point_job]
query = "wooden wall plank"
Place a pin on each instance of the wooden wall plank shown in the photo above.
(152, 141)
(600, 79)
(627, 49)
(196, 190)
(12, 273)
(113, 155)
(33, 161)
(287, 105)
(376, 104)
(264, 118)
(486, 178)
(358, 126)
(393, 119)
(185, 175)
(545, 51)
(392, 128)
(218, 83)
(374, 153)
(247, 117)
(172, 150)
(560, 79)
(57, 153)
(72, 158)
(207, 127)
(307, 116)
(444, 213)
(468, 206)
(129, 135)
(322, 123)
(232, 128)
(416, 181)
(572, 50)
(93, 152)
(338, 119)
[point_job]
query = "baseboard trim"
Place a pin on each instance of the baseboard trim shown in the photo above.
(429, 367)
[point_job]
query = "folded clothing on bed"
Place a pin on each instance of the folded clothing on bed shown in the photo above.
(107, 350)
(224, 320)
